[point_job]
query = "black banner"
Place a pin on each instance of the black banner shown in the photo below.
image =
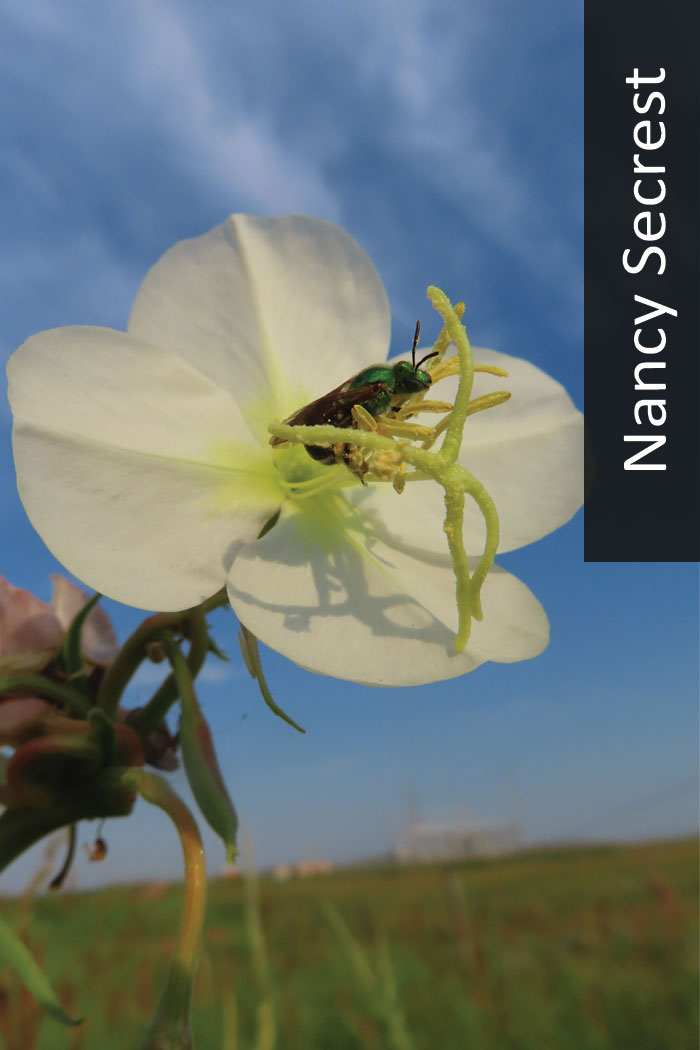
(642, 281)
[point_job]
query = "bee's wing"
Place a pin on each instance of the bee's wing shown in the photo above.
(334, 408)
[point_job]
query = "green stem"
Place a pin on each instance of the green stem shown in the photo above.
(60, 877)
(44, 688)
(157, 791)
(131, 656)
(170, 1027)
(150, 716)
(217, 601)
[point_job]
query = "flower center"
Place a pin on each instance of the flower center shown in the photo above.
(301, 478)
(385, 444)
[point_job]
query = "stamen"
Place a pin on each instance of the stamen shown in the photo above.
(365, 419)
(443, 341)
(492, 370)
(425, 406)
(310, 487)
(478, 404)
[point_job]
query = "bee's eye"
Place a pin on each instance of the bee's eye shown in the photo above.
(415, 384)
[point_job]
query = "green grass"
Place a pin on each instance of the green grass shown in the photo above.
(573, 949)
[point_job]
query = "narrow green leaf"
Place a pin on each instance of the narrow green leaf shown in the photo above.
(103, 734)
(60, 877)
(251, 656)
(212, 647)
(38, 685)
(20, 958)
(71, 653)
(199, 758)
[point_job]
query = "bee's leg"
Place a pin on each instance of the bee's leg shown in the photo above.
(398, 426)
(401, 429)
(389, 426)
(401, 416)
(353, 458)
(364, 420)
(404, 411)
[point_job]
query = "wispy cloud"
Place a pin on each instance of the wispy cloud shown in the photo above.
(419, 125)
(117, 144)
(232, 146)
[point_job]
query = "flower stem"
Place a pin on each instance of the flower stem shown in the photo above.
(130, 657)
(217, 601)
(170, 1028)
(157, 791)
(146, 720)
(38, 685)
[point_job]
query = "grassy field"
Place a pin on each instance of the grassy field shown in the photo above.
(586, 949)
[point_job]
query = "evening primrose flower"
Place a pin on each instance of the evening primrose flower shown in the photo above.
(144, 462)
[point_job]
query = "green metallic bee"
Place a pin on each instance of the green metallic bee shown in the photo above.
(377, 389)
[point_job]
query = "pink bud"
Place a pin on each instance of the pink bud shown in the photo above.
(21, 718)
(30, 633)
(99, 642)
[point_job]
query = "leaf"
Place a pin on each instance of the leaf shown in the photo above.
(199, 758)
(249, 650)
(71, 650)
(20, 958)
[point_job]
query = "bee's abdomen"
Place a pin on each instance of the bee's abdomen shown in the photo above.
(321, 453)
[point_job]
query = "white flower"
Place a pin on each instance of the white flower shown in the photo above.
(144, 463)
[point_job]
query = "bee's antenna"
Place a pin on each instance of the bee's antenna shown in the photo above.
(415, 344)
(427, 357)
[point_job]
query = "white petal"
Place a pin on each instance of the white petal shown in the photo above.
(412, 520)
(133, 466)
(372, 614)
(283, 309)
(528, 453)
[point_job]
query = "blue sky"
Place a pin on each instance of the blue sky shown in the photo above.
(447, 138)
